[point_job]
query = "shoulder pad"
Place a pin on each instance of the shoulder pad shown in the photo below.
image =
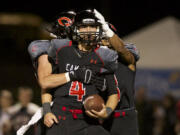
(58, 43)
(106, 54)
(109, 58)
(133, 49)
(37, 48)
(55, 45)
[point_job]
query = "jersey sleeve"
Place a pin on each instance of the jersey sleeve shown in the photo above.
(111, 84)
(133, 49)
(109, 58)
(56, 45)
(37, 48)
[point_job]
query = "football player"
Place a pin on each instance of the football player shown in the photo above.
(73, 74)
(124, 120)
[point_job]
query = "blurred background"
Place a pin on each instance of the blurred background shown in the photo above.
(152, 25)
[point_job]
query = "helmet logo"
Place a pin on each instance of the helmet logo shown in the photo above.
(64, 21)
(88, 20)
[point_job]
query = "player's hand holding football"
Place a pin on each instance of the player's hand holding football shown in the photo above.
(49, 119)
(100, 115)
(109, 33)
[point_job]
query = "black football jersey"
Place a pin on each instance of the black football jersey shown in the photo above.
(69, 58)
(125, 80)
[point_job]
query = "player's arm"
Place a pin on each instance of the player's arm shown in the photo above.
(113, 97)
(114, 40)
(44, 69)
(134, 51)
(112, 92)
(124, 53)
(112, 101)
(108, 108)
(46, 79)
(38, 51)
(49, 117)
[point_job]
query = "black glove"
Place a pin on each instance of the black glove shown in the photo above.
(110, 67)
(100, 82)
(82, 74)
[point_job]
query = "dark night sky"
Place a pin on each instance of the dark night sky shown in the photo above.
(126, 15)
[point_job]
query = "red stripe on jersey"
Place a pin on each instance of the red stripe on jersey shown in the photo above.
(96, 48)
(118, 90)
(70, 43)
(116, 80)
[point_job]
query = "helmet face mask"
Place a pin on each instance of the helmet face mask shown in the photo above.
(87, 29)
(88, 37)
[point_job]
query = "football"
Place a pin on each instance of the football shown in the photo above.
(93, 102)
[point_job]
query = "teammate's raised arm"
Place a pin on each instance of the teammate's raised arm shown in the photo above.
(118, 45)
(115, 40)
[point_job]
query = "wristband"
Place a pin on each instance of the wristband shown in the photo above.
(109, 111)
(67, 76)
(46, 108)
